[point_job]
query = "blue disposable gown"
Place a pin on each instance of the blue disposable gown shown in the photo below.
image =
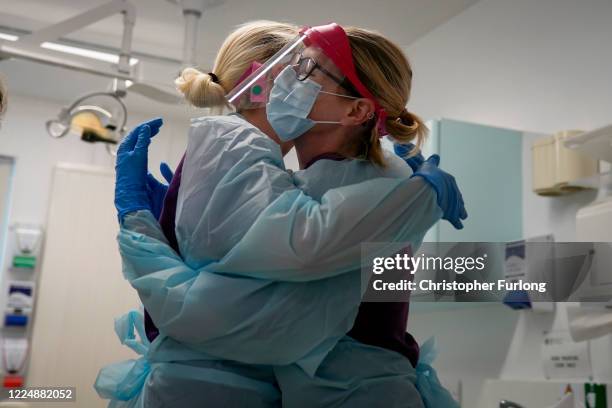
(237, 202)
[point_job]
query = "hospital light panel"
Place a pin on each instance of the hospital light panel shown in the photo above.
(84, 52)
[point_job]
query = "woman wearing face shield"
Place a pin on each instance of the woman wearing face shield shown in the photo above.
(286, 268)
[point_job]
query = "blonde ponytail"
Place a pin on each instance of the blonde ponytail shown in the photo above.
(256, 41)
(408, 128)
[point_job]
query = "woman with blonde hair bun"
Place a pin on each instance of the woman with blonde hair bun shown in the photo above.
(242, 51)
(267, 285)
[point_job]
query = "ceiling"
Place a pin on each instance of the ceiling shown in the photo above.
(159, 31)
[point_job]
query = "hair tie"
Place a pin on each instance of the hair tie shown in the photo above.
(214, 77)
(399, 119)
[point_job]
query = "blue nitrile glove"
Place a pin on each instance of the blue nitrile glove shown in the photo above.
(157, 190)
(517, 299)
(403, 150)
(450, 199)
(131, 169)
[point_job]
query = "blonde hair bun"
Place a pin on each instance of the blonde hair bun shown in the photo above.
(254, 41)
(200, 89)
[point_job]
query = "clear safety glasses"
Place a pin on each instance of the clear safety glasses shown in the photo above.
(305, 66)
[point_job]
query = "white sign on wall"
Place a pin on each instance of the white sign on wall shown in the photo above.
(563, 358)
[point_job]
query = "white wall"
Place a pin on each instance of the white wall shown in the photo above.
(535, 65)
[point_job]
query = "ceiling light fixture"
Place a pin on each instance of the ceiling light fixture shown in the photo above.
(69, 49)
(8, 37)
(84, 52)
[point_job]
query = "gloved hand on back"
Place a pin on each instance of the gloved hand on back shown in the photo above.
(450, 199)
(403, 150)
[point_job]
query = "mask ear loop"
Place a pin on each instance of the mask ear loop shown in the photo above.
(340, 95)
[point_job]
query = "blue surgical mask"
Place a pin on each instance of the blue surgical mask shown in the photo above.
(290, 102)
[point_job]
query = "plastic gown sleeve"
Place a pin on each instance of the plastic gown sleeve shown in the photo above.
(239, 209)
(226, 316)
(299, 239)
(231, 172)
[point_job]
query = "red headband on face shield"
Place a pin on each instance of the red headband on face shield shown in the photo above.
(334, 42)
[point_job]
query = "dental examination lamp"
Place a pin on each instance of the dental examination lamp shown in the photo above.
(99, 117)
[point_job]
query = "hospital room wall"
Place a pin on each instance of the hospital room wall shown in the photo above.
(539, 66)
(535, 65)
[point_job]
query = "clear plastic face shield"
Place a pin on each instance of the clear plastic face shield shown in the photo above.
(318, 61)
(307, 63)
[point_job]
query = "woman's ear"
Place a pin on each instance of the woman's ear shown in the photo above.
(358, 112)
